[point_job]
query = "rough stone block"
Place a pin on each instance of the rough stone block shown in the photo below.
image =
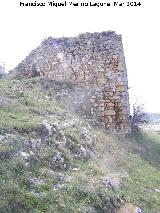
(109, 112)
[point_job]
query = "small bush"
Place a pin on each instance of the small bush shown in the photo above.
(138, 118)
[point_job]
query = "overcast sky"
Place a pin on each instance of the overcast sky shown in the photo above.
(23, 29)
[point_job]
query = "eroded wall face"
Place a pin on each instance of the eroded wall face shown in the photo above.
(96, 63)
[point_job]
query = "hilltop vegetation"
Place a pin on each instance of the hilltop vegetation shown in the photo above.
(53, 161)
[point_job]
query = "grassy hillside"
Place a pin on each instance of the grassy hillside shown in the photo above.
(53, 161)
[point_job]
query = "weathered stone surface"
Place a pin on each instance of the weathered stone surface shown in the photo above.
(128, 208)
(109, 112)
(95, 63)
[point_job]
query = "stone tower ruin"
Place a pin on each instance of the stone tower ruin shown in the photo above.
(95, 63)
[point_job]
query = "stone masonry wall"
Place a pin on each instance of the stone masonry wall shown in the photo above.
(95, 63)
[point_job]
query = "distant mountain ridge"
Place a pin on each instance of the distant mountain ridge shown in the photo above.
(153, 116)
(2, 71)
